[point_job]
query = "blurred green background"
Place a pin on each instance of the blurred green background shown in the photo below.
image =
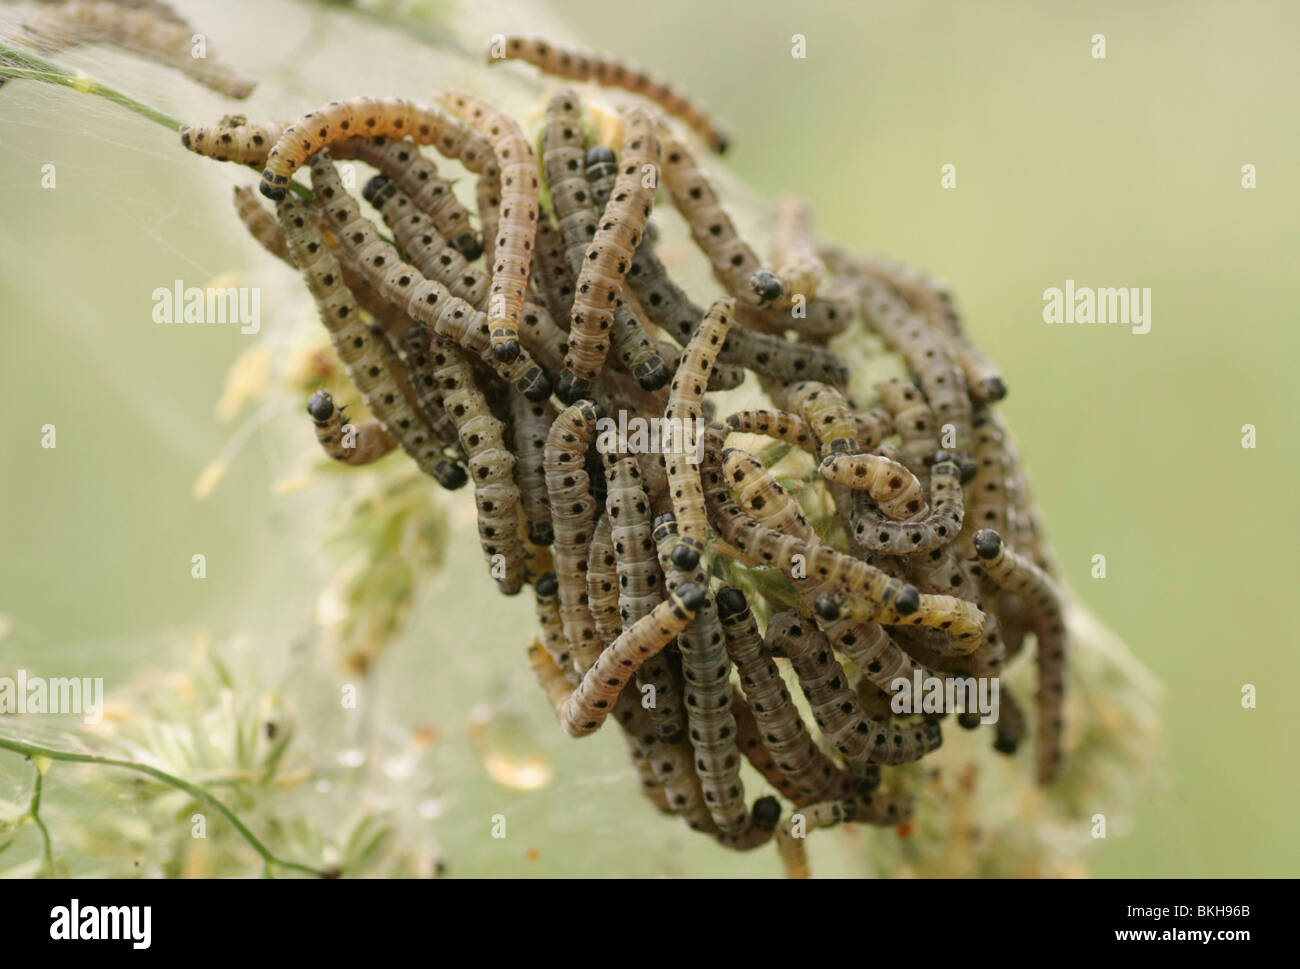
(1117, 172)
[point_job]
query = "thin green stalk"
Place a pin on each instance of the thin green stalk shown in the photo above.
(34, 812)
(198, 793)
(18, 63)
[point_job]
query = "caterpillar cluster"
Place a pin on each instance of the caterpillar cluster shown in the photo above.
(683, 585)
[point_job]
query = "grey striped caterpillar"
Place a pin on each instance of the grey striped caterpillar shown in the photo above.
(799, 760)
(672, 310)
(434, 257)
(563, 158)
(573, 515)
(686, 394)
(734, 262)
(641, 587)
(934, 299)
(410, 171)
(602, 582)
(343, 441)
(233, 139)
(618, 234)
(819, 318)
(261, 224)
(926, 353)
(793, 254)
(425, 300)
(671, 764)
(916, 526)
(1013, 572)
(609, 71)
(587, 705)
(839, 715)
(491, 467)
(547, 588)
(707, 692)
(551, 276)
(164, 40)
(530, 422)
(513, 252)
(424, 380)
(365, 355)
(881, 809)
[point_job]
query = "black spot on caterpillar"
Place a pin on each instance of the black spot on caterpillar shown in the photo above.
(607, 70)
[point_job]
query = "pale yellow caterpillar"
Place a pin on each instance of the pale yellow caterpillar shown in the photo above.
(349, 443)
(233, 139)
(530, 422)
(793, 253)
(602, 582)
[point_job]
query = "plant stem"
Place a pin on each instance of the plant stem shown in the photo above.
(198, 793)
(18, 63)
(34, 812)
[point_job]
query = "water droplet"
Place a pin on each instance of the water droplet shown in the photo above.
(508, 749)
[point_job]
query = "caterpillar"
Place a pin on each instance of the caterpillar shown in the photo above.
(926, 353)
(431, 254)
(547, 593)
(641, 587)
(839, 715)
(261, 224)
(670, 763)
(819, 318)
(781, 425)
(425, 300)
(358, 444)
(1013, 572)
(491, 466)
(563, 158)
(780, 543)
(590, 702)
(365, 355)
(686, 394)
(797, 265)
(707, 692)
(618, 234)
(551, 276)
(799, 760)
(734, 262)
(424, 380)
(602, 582)
(867, 644)
(826, 412)
(672, 310)
(517, 229)
(916, 526)
(605, 69)
(934, 299)
(530, 422)
(914, 421)
(233, 139)
(403, 163)
(724, 376)
(371, 118)
(881, 809)
(573, 512)
(163, 39)
(1000, 491)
